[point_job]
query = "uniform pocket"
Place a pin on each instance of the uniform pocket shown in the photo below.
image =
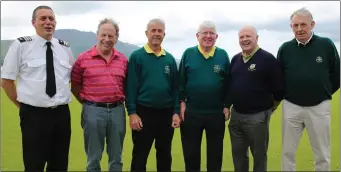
(63, 70)
(36, 69)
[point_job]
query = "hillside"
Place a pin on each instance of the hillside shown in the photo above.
(80, 41)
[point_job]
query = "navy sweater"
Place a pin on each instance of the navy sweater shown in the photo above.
(254, 85)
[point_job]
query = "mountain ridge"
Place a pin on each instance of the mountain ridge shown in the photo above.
(79, 41)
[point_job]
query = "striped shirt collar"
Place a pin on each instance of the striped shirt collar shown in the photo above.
(94, 52)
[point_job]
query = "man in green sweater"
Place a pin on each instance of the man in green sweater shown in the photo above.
(152, 99)
(311, 68)
(204, 71)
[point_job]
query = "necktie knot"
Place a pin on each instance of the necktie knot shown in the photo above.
(48, 43)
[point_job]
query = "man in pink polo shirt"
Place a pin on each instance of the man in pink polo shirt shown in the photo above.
(98, 79)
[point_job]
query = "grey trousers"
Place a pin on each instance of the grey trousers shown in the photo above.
(249, 131)
(101, 124)
(316, 120)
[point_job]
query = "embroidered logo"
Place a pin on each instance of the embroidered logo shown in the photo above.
(319, 59)
(167, 70)
(216, 68)
(252, 67)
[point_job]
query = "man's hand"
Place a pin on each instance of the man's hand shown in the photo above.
(9, 88)
(135, 122)
(182, 110)
(226, 113)
(75, 89)
(17, 104)
(176, 121)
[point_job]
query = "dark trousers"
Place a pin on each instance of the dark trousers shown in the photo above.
(191, 135)
(46, 136)
(249, 130)
(157, 124)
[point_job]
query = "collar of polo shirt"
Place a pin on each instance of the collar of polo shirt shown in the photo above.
(94, 52)
(246, 58)
(305, 43)
(150, 51)
(209, 54)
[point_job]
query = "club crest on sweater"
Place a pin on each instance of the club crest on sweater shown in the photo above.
(252, 67)
(167, 70)
(216, 68)
(319, 59)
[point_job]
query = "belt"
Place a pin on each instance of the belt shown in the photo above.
(105, 105)
(51, 107)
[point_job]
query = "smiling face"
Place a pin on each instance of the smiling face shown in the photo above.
(248, 39)
(44, 23)
(207, 37)
(106, 38)
(155, 33)
(302, 27)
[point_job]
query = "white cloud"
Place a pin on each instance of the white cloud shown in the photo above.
(19, 12)
(182, 19)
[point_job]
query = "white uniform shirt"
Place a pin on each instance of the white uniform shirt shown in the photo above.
(26, 62)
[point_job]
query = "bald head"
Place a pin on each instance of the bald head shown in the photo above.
(248, 28)
(248, 38)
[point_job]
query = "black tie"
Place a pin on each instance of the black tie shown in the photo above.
(50, 78)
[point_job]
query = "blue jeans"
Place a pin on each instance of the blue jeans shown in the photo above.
(101, 124)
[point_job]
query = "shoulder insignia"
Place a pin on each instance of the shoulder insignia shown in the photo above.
(24, 39)
(61, 42)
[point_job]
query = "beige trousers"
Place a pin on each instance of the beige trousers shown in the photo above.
(316, 119)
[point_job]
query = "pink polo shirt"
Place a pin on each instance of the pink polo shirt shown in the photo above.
(100, 81)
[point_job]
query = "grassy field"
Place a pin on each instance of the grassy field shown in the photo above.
(11, 159)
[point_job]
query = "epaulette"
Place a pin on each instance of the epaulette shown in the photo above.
(24, 39)
(61, 42)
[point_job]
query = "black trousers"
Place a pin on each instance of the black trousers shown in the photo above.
(249, 130)
(191, 135)
(157, 125)
(46, 136)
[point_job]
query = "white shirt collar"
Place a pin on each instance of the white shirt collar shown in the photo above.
(42, 41)
(305, 43)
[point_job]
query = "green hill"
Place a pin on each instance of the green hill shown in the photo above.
(79, 41)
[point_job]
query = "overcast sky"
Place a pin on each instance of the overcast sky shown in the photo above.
(182, 20)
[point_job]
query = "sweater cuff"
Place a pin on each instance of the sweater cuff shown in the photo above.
(228, 105)
(131, 110)
(176, 111)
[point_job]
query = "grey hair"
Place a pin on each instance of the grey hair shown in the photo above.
(302, 12)
(207, 24)
(156, 20)
(111, 21)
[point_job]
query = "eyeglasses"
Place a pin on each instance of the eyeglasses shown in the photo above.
(207, 33)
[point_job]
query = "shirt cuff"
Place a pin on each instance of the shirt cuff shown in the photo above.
(8, 76)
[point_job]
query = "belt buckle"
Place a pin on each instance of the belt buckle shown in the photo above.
(108, 105)
(54, 107)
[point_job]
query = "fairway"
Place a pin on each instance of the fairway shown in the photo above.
(11, 159)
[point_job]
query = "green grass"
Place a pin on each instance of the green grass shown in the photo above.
(11, 152)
